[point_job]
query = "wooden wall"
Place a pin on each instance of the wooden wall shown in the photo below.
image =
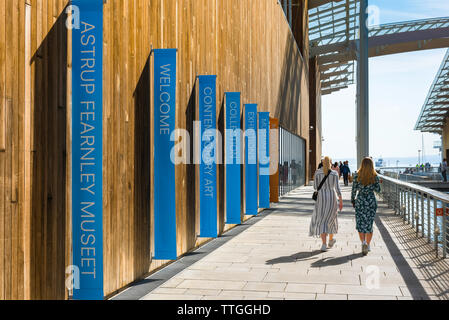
(247, 44)
(315, 116)
(33, 158)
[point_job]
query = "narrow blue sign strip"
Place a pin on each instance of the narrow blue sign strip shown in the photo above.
(208, 166)
(251, 201)
(164, 168)
(264, 160)
(233, 158)
(87, 151)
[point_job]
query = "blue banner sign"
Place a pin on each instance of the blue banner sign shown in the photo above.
(164, 167)
(208, 166)
(87, 150)
(264, 160)
(233, 158)
(251, 159)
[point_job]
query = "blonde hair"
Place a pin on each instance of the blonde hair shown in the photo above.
(366, 174)
(327, 165)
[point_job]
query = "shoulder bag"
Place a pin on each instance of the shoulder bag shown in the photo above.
(315, 194)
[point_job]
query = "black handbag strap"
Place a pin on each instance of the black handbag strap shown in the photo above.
(324, 180)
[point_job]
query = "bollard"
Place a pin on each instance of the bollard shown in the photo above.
(417, 223)
(437, 236)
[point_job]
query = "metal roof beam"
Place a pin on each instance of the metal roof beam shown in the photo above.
(329, 66)
(437, 109)
(331, 24)
(318, 3)
(340, 57)
(345, 46)
(377, 44)
(325, 76)
(327, 84)
(329, 91)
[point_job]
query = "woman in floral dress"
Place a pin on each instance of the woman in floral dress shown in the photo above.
(366, 182)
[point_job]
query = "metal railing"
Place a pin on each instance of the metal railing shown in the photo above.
(292, 159)
(422, 208)
(412, 174)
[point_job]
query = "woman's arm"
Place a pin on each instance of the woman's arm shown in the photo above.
(337, 186)
(315, 181)
(355, 186)
(377, 185)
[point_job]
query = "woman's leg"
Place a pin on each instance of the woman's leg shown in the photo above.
(331, 237)
(324, 238)
(369, 237)
(362, 237)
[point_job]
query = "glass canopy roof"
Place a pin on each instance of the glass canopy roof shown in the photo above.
(436, 108)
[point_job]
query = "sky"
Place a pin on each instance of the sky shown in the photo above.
(399, 85)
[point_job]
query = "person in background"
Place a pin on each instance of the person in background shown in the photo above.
(341, 167)
(324, 218)
(336, 168)
(366, 182)
(285, 172)
(443, 167)
(293, 171)
(345, 172)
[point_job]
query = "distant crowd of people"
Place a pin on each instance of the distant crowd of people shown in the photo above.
(428, 168)
(342, 170)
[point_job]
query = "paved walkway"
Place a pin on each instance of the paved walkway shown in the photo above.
(275, 259)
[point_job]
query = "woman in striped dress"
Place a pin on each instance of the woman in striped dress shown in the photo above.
(324, 217)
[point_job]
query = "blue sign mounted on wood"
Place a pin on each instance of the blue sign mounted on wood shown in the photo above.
(87, 150)
(233, 158)
(164, 168)
(264, 160)
(251, 201)
(208, 166)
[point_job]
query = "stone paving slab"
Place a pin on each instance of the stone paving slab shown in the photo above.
(276, 259)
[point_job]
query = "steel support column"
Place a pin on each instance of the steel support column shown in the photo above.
(363, 86)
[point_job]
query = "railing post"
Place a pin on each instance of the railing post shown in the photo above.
(403, 203)
(435, 226)
(416, 217)
(444, 231)
(387, 195)
(428, 219)
(398, 203)
(408, 206)
(415, 209)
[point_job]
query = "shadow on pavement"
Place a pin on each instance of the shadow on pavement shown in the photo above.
(327, 262)
(302, 256)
